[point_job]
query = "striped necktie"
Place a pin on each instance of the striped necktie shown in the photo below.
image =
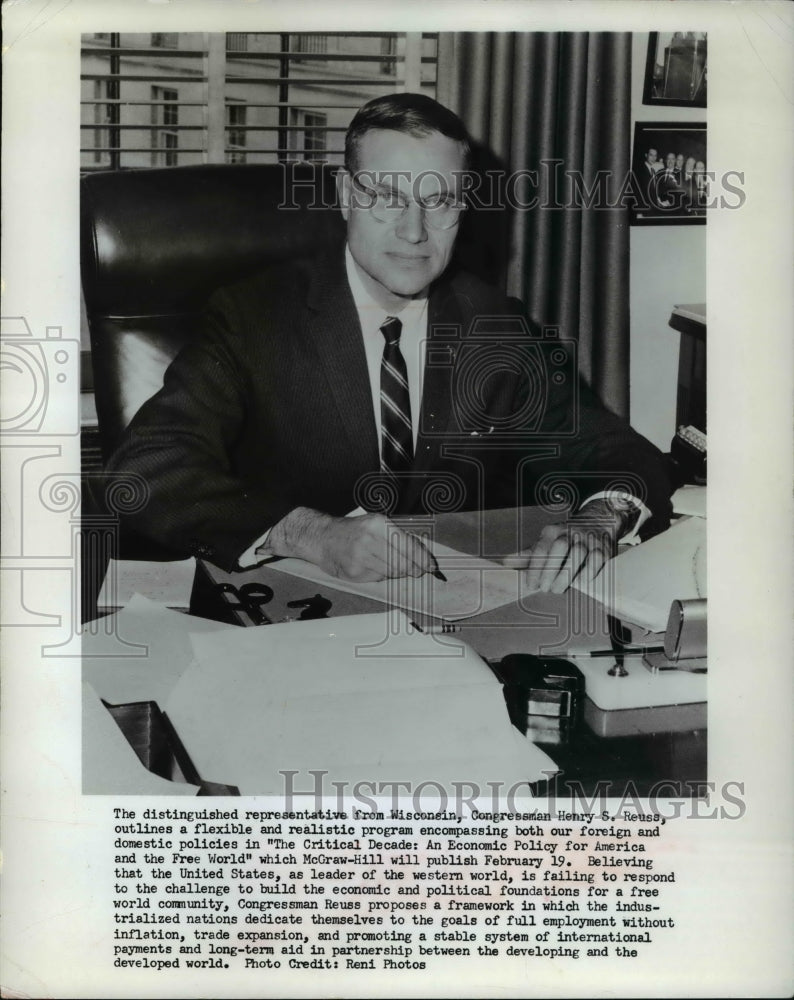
(397, 439)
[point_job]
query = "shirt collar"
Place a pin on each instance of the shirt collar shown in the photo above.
(364, 302)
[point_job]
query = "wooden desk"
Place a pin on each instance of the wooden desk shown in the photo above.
(548, 624)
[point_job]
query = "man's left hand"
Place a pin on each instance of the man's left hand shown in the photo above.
(577, 549)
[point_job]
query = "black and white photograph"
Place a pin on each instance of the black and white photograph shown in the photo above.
(350, 355)
(676, 69)
(669, 164)
(377, 619)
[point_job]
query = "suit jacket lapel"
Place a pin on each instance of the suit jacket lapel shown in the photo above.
(333, 332)
(437, 416)
(444, 332)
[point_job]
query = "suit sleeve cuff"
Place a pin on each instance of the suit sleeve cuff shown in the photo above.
(255, 553)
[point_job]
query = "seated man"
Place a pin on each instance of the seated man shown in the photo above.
(379, 375)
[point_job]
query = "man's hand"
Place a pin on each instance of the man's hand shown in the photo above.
(365, 548)
(578, 549)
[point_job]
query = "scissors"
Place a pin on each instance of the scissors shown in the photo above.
(250, 598)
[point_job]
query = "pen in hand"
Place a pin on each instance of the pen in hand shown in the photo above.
(425, 559)
(436, 571)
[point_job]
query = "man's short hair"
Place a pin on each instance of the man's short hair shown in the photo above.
(414, 114)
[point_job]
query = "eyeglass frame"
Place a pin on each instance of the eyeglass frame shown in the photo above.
(457, 206)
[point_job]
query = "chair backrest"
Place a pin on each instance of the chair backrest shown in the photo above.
(155, 244)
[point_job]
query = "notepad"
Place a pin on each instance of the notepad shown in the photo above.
(364, 698)
(473, 585)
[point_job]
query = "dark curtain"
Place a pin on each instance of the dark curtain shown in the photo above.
(528, 100)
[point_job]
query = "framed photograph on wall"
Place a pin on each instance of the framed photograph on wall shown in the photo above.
(669, 167)
(676, 69)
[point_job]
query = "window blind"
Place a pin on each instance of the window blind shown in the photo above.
(243, 97)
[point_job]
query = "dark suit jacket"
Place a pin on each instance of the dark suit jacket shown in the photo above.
(688, 185)
(271, 408)
(669, 190)
(648, 183)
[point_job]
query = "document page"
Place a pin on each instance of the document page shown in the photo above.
(472, 586)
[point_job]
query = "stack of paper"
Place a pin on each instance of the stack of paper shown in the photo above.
(363, 699)
(640, 584)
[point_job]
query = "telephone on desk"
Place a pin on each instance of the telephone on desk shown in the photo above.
(688, 447)
(688, 452)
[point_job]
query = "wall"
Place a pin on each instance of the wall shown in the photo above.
(668, 267)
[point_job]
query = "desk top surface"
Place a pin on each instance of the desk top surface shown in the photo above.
(541, 625)
(547, 624)
(569, 625)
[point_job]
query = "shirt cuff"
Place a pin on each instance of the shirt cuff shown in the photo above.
(631, 537)
(259, 553)
(252, 556)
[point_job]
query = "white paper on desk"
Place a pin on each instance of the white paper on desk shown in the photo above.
(641, 583)
(166, 583)
(345, 696)
(690, 500)
(110, 765)
(164, 644)
(473, 585)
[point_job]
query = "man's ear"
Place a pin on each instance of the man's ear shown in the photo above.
(344, 189)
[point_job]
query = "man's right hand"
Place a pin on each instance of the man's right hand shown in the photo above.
(365, 548)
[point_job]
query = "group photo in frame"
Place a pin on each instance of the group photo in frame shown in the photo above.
(669, 164)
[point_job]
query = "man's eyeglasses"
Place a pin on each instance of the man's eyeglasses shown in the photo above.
(439, 211)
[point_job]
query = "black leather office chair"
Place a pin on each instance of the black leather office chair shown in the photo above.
(157, 243)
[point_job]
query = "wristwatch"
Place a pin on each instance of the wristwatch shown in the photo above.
(627, 511)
